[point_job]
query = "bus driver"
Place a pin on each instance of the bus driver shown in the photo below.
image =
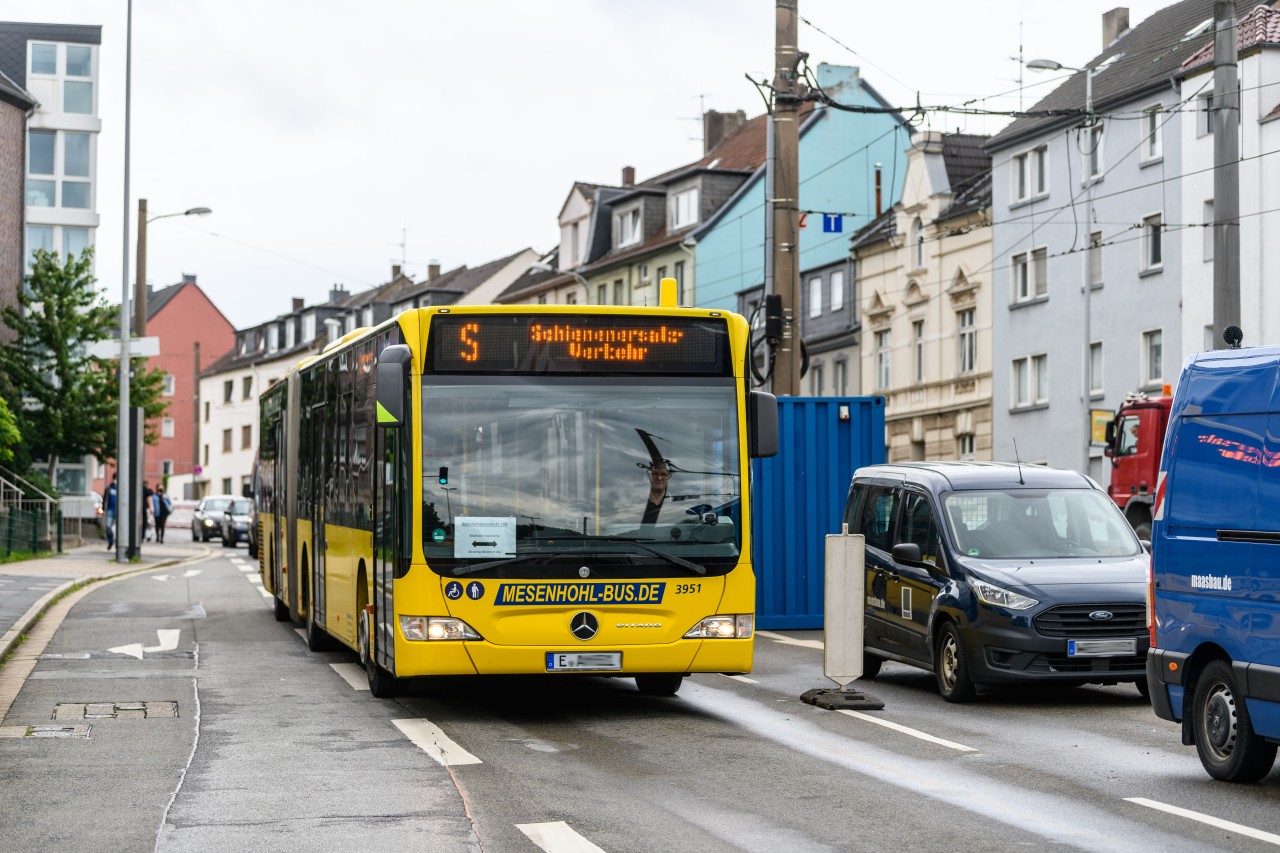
(659, 475)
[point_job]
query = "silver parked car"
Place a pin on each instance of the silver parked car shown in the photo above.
(206, 521)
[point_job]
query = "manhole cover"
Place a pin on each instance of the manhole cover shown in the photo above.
(141, 710)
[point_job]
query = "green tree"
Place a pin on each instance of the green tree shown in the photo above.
(69, 401)
(10, 437)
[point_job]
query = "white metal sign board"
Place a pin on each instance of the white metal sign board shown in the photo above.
(846, 582)
(480, 536)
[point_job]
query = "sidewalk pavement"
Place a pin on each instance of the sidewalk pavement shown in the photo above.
(27, 587)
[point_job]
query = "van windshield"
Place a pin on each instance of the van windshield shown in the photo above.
(1038, 523)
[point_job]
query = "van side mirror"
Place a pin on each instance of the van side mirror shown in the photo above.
(762, 424)
(392, 381)
(908, 553)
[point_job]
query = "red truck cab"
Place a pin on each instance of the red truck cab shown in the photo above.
(1135, 440)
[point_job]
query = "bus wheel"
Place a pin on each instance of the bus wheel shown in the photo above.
(317, 639)
(1228, 747)
(382, 684)
(659, 685)
(281, 610)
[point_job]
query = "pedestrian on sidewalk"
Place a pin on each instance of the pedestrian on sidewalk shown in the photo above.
(161, 507)
(109, 508)
(147, 496)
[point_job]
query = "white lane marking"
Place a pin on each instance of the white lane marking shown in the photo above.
(190, 573)
(253, 579)
(265, 594)
(237, 561)
(916, 733)
(353, 674)
(161, 578)
(301, 633)
(790, 641)
(557, 837)
(741, 678)
(247, 569)
(435, 743)
(1249, 831)
(167, 641)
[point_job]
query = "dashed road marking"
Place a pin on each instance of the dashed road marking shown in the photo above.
(790, 641)
(916, 733)
(190, 573)
(1249, 831)
(353, 674)
(264, 593)
(427, 736)
(741, 678)
(247, 569)
(161, 578)
(557, 837)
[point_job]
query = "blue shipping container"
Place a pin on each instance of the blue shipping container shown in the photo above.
(799, 498)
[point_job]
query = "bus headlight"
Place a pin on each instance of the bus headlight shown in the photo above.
(737, 627)
(436, 628)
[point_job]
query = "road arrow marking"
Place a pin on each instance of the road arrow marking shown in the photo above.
(159, 577)
(191, 573)
(168, 641)
(133, 650)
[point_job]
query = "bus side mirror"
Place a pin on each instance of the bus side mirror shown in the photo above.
(246, 491)
(762, 424)
(392, 381)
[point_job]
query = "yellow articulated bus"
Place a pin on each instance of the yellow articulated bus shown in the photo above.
(519, 489)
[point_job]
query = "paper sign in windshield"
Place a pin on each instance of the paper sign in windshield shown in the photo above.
(480, 536)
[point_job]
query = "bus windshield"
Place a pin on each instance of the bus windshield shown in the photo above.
(544, 477)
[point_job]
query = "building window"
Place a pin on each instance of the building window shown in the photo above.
(967, 339)
(602, 296)
(77, 95)
(917, 348)
(226, 485)
(684, 208)
(290, 333)
(542, 299)
(571, 298)
(228, 389)
(1031, 173)
(1204, 118)
(246, 436)
(884, 353)
(815, 296)
(170, 385)
(840, 377)
(917, 242)
(966, 447)
(628, 225)
(815, 380)
(618, 292)
(44, 58)
(367, 313)
(680, 292)
(226, 441)
(74, 241)
(1095, 257)
(273, 338)
(644, 273)
(206, 411)
(166, 467)
(1095, 368)
(1030, 275)
(1095, 151)
(247, 390)
(308, 327)
(1152, 250)
(166, 428)
(1030, 381)
(662, 273)
(837, 290)
(1208, 230)
(206, 456)
(38, 237)
(1152, 357)
(1151, 149)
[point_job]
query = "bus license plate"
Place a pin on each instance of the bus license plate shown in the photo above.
(583, 661)
(1101, 648)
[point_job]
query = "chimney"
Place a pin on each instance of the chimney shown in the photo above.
(716, 126)
(628, 176)
(433, 271)
(188, 278)
(297, 304)
(1114, 24)
(337, 293)
(395, 271)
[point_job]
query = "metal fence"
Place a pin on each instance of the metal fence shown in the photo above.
(28, 526)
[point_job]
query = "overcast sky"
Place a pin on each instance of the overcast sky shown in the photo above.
(321, 131)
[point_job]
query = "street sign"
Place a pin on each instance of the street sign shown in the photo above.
(197, 470)
(832, 223)
(138, 347)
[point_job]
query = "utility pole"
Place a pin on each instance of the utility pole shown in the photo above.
(785, 202)
(1226, 171)
(195, 420)
(140, 292)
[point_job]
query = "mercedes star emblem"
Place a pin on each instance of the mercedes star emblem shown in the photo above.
(584, 626)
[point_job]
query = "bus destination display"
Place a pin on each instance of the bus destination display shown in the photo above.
(569, 343)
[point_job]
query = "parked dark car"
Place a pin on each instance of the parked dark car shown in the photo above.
(206, 521)
(236, 520)
(997, 573)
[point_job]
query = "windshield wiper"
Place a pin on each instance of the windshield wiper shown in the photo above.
(696, 568)
(459, 571)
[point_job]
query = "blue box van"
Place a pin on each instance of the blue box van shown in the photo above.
(1214, 594)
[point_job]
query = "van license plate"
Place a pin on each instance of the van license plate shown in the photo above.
(1101, 648)
(583, 661)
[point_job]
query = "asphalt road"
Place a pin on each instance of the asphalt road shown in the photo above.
(229, 734)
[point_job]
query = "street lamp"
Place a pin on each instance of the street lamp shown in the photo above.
(140, 299)
(449, 502)
(586, 285)
(1085, 223)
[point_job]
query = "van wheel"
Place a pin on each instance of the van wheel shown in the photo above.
(659, 685)
(871, 666)
(1229, 748)
(951, 667)
(1143, 688)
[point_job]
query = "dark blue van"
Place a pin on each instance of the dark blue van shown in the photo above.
(1214, 593)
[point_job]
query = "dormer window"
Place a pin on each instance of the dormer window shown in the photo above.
(273, 338)
(684, 208)
(308, 327)
(628, 227)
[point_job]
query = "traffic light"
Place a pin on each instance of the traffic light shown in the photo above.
(444, 475)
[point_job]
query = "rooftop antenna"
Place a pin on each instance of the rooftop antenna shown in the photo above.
(1021, 482)
(702, 111)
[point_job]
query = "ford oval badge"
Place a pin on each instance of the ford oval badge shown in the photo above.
(1100, 615)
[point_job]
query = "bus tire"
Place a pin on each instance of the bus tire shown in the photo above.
(317, 639)
(280, 610)
(667, 684)
(1228, 747)
(952, 667)
(382, 684)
